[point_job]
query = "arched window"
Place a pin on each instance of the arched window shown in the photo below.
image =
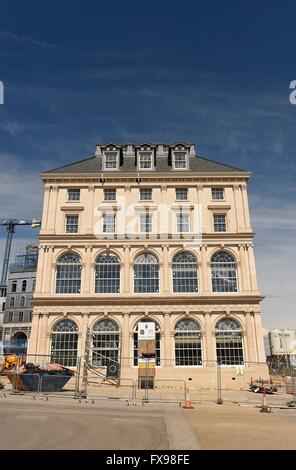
(106, 341)
(24, 286)
(157, 342)
(12, 302)
(229, 344)
(107, 272)
(188, 351)
(68, 278)
(146, 274)
(223, 267)
(64, 343)
(18, 343)
(22, 302)
(184, 272)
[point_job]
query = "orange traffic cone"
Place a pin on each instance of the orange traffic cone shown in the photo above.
(264, 407)
(187, 405)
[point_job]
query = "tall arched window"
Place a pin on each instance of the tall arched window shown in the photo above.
(64, 343)
(184, 272)
(68, 274)
(229, 344)
(22, 301)
(146, 274)
(107, 272)
(12, 302)
(224, 277)
(24, 286)
(106, 342)
(188, 350)
(157, 342)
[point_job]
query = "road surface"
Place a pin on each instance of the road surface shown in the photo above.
(67, 424)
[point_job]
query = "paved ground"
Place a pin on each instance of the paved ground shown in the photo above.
(231, 427)
(63, 424)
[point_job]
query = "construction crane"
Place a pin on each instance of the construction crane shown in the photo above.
(10, 225)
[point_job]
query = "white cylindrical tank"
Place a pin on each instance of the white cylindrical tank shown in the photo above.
(282, 342)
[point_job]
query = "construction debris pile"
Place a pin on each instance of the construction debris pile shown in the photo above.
(35, 377)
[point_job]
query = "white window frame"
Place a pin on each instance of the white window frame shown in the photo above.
(145, 189)
(218, 198)
(71, 215)
(181, 189)
(145, 153)
(177, 153)
(111, 153)
(68, 194)
(109, 189)
(225, 218)
(182, 214)
(109, 224)
(141, 224)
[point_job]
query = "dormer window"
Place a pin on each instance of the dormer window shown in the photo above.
(145, 161)
(111, 161)
(180, 161)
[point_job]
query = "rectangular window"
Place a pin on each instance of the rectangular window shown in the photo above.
(145, 194)
(110, 194)
(217, 193)
(10, 314)
(73, 194)
(182, 223)
(21, 316)
(180, 160)
(146, 223)
(111, 161)
(145, 161)
(181, 194)
(14, 285)
(108, 223)
(219, 223)
(72, 223)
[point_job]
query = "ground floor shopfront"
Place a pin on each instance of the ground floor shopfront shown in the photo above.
(190, 339)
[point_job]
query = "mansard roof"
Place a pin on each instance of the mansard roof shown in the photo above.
(128, 164)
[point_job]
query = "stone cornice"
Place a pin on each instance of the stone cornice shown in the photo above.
(141, 300)
(218, 237)
(94, 178)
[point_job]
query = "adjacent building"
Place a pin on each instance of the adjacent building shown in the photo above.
(18, 309)
(150, 232)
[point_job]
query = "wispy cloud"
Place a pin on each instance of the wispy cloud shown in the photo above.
(24, 41)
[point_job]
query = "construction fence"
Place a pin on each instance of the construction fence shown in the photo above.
(83, 381)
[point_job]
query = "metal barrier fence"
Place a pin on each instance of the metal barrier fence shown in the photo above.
(98, 388)
(166, 390)
(211, 382)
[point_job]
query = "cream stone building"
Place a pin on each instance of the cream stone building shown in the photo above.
(150, 232)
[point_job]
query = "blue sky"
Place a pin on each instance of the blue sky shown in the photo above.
(215, 73)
